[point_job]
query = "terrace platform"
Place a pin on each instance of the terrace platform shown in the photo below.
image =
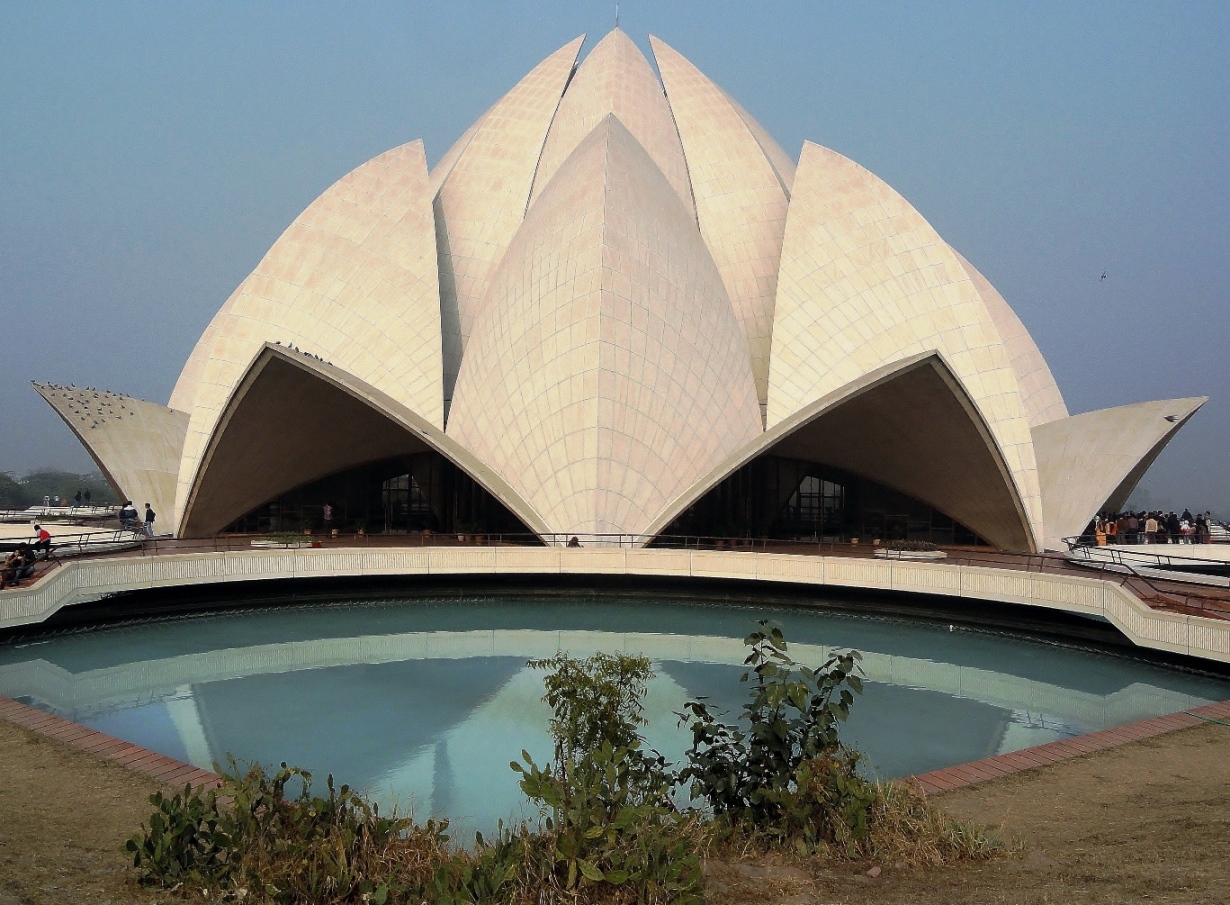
(1174, 617)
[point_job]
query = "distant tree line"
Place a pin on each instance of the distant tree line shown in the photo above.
(22, 492)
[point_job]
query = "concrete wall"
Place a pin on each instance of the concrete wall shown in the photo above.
(84, 581)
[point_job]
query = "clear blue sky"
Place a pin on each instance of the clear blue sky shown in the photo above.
(150, 153)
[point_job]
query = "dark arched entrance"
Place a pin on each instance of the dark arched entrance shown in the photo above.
(792, 499)
(391, 496)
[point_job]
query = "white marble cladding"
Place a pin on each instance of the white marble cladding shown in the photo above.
(81, 582)
(606, 372)
(597, 335)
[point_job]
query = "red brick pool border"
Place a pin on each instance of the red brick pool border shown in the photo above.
(166, 770)
(173, 772)
(977, 771)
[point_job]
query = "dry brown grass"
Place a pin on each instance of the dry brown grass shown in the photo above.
(1143, 822)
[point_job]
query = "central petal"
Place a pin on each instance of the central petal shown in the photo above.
(608, 371)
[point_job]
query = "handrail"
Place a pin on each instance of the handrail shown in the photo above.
(1203, 604)
(1035, 563)
(83, 511)
(1117, 552)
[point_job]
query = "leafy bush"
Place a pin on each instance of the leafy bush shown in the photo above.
(911, 546)
(610, 833)
(310, 848)
(277, 848)
(830, 804)
(185, 840)
(610, 819)
(904, 826)
(792, 717)
(606, 827)
(594, 700)
(287, 538)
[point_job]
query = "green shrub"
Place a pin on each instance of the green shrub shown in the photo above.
(288, 538)
(604, 826)
(594, 700)
(185, 841)
(792, 716)
(905, 826)
(611, 832)
(308, 848)
(609, 815)
(911, 546)
(829, 805)
(281, 848)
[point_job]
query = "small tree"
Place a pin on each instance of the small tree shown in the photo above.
(792, 718)
(595, 700)
(610, 816)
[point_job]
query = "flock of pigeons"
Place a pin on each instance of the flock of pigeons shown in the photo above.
(97, 405)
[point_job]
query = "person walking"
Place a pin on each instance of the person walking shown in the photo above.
(327, 516)
(150, 515)
(1173, 535)
(1151, 529)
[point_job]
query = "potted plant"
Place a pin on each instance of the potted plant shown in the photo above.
(910, 549)
(286, 540)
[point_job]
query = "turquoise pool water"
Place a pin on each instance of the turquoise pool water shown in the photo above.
(423, 703)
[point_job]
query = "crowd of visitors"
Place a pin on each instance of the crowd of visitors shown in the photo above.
(1149, 528)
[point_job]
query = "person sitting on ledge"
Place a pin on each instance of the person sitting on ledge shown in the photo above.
(19, 566)
(43, 542)
(8, 572)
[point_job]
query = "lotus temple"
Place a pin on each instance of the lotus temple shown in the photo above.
(616, 308)
(617, 374)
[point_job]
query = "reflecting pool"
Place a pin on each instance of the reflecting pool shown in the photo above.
(423, 703)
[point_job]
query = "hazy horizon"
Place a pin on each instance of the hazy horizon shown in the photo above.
(152, 153)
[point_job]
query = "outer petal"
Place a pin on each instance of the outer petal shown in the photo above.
(780, 160)
(293, 419)
(740, 198)
(483, 199)
(353, 280)
(1092, 462)
(864, 281)
(1039, 392)
(910, 425)
(444, 166)
(607, 371)
(616, 78)
(136, 444)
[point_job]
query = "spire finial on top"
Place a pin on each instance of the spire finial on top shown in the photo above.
(617, 15)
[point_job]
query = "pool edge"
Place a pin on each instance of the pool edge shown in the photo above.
(172, 772)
